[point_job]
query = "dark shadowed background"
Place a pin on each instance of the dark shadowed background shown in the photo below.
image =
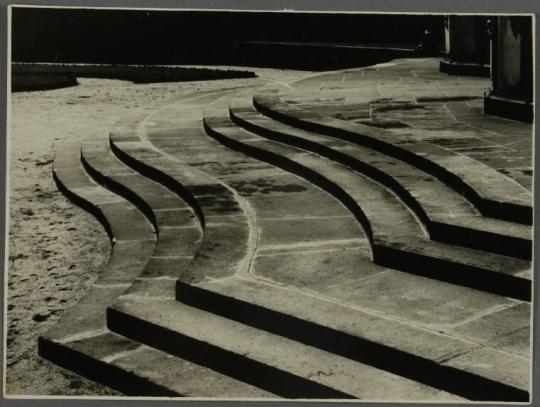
(224, 38)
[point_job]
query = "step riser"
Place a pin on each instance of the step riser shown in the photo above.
(120, 190)
(506, 211)
(397, 259)
(454, 273)
(115, 378)
(466, 237)
(356, 348)
(498, 210)
(232, 364)
(161, 178)
(481, 240)
(84, 204)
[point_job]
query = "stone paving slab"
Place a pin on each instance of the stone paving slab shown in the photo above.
(325, 267)
(295, 230)
(175, 217)
(516, 371)
(316, 203)
(507, 329)
(124, 265)
(186, 378)
(125, 224)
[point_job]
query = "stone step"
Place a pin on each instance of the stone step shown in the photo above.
(179, 231)
(271, 362)
(138, 370)
(224, 227)
(494, 194)
(397, 239)
(225, 224)
(447, 216)
(476, 370)
(81, 342)
(132, 247)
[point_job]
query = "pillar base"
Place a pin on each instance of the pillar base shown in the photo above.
(509, 108)
(464, 68)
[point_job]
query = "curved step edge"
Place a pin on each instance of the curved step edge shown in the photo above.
(117, 187)
(123, 364)
(55, 345)
(205, 193)
(155, 174)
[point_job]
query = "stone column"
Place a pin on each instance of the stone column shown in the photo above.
(467, 46)
(511, 93)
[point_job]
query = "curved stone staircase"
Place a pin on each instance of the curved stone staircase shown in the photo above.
(261, 250)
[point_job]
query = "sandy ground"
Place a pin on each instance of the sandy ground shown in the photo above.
(56, 250)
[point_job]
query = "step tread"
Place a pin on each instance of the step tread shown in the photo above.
(158, 197)
(131, 249)
(69, 172)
